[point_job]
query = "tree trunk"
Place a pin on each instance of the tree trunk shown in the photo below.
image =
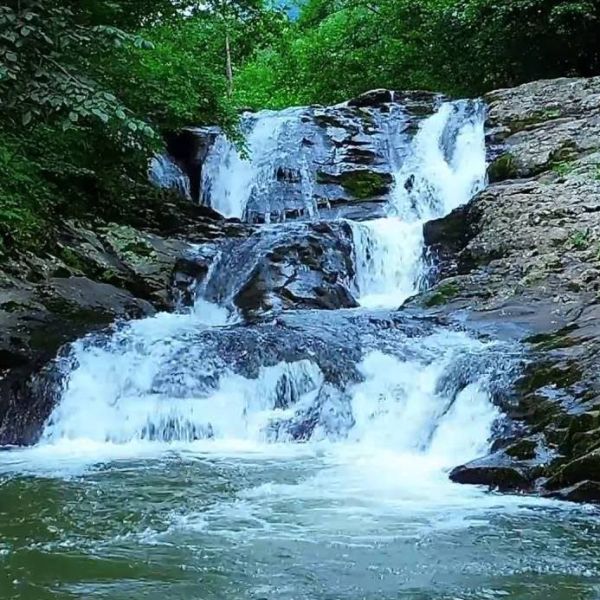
(229, 66)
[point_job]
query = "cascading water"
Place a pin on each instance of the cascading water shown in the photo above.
(444, 167)
(301, 455)
(136, 385)
(247, 184)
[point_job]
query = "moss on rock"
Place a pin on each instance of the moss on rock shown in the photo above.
(130, 244)
(362, 184)
(442, 294)
(504, 167)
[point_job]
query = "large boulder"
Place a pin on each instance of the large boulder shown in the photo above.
(288, 267)
(35, 320)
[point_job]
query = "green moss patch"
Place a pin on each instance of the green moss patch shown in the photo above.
(362, 185)
(442, 294)
(504, 167)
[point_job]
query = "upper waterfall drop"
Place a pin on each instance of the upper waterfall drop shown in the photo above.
(246, 183)
(446, 165)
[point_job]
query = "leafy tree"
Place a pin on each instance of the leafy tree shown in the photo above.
(45, 73)
(86, 88)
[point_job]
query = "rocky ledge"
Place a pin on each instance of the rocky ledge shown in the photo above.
(89, 275)
(524, 258)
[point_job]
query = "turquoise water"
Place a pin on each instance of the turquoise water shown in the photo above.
(278, 524)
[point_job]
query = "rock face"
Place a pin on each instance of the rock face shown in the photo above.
(524, 255)
(291, 267)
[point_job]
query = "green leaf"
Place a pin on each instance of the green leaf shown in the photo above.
(101, 115)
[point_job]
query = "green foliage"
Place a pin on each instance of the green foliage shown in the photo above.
(340, 48)
(580, 239)
(45, 70)
(23, 196)
(88, 86)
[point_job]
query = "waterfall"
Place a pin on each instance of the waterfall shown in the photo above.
(443, 168)
(247, 183)
(388, 257)
(446, 165)
(204, 376)
(145, 384)
(165, 173)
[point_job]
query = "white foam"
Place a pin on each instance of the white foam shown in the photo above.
(388, 260)
(230, 177)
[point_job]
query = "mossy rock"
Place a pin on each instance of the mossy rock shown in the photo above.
(581, 469)
(362, 185)
(554, 341)
(130, 244)
(504, 167)
(72, 259)
(544, 374)
(585, 441)
(535, 118)
(442, 295)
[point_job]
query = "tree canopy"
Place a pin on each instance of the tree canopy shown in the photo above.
(339, 48)
(89, 87)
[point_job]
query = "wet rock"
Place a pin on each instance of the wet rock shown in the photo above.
(89, 276)
(585, 468)
(120, 255)
(361, 184)
(323, 157)
(148, 259)
(35, 320)
(288, 267)
(416, 102)
(189, 148)
(584, 491)
(494, 471)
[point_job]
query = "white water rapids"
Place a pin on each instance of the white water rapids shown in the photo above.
(395, 431)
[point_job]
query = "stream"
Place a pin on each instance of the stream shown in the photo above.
(300, 454)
